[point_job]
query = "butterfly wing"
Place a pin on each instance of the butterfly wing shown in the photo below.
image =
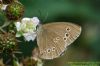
(53, 38)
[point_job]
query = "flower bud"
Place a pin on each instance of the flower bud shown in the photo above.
(7, 42)
(14, 11)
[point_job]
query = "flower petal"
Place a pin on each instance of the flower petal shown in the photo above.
(35, 20)
(30, 36)
(25, 20)
(18, 26)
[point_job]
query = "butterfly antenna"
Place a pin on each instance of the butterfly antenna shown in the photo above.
(40, 14)
(45, 18)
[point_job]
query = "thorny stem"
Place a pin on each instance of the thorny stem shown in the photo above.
(2, 30)
(4, 25)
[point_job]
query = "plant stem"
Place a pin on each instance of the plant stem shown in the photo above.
(2, 30)
(4, 25)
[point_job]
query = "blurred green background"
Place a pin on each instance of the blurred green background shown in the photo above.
(86, 13)
(83, 12)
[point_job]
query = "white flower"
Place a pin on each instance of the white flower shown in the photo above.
(27, 28)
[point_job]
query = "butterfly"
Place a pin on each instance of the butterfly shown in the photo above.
(54, 38)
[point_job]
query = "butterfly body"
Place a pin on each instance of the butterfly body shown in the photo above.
(53, 38)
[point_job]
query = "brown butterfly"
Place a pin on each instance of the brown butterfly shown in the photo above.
(54, 38)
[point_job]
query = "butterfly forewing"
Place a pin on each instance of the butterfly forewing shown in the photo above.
(49, 44)
(53, 38)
